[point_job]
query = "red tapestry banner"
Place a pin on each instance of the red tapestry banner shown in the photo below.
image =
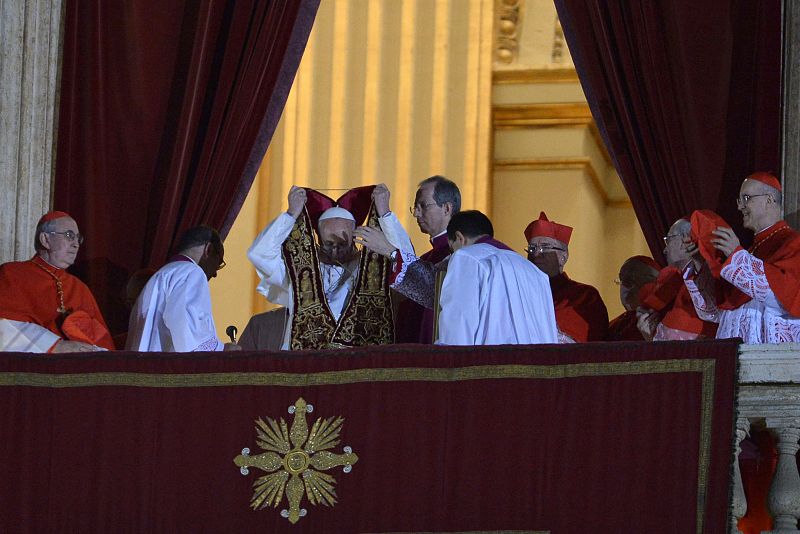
(598, 437)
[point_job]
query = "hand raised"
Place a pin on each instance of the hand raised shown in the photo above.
(726, 241)
(297, 199)
(380, 195)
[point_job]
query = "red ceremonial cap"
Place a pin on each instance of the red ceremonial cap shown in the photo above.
(647, 260)
(766, 178)
(52, 216)
(542, 227)
(704, 222)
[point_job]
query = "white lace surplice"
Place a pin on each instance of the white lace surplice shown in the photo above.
(760, 320)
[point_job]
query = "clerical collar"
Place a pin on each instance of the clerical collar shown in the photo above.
(437, 236)
(181, 257)
(494, 242)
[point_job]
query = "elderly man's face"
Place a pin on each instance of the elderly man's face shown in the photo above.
(548, 254)
(431, 218)
(755, 212)
(336, 240)
(675, 249)
(61, 244)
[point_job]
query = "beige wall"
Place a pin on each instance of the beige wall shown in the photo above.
(388, 91)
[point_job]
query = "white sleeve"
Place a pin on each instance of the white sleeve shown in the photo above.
(395, 233)
(187, 314)
(746, 272)
(266, 256)
(19, 336)
(460, 301)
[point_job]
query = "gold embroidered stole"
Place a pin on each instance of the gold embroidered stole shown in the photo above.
(367, 316)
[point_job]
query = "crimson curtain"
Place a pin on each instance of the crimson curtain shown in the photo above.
(593, 437)
(686, 95)
(166, 111)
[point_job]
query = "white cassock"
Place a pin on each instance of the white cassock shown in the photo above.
(493, 296)
(266, 256)
(19, 336)
(173, 312)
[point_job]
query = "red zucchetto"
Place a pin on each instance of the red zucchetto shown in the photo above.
(543, 227)
(766, 178)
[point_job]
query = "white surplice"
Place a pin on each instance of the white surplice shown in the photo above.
(266, 256)
(493, 296)
(760, 320)
(173, 312)
(19, 336)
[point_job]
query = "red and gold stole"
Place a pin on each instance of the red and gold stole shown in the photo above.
(366, 318)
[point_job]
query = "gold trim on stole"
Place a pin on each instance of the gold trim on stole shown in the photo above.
(366, 318)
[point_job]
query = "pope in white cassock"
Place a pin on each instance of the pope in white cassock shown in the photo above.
(491, 295)
(338, 262)
(173, 311)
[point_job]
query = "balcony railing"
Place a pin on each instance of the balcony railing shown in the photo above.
(769, 395)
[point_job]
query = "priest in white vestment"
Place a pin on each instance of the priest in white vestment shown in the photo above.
(338, 258)
(173, 311)
(491, 295)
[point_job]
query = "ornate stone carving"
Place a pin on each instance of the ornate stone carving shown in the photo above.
(507, 24)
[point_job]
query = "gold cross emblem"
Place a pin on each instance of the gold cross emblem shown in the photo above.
(294, 460)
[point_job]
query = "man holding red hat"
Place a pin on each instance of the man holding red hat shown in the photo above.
(43, 308)
(581, 315)
(634, 273)
(667, 312)
(757, 296)
(322, 283)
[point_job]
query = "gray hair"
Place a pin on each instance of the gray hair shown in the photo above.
(43, 228)
(444, 190)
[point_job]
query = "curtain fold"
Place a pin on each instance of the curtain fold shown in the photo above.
(166, 111)
(687, 98)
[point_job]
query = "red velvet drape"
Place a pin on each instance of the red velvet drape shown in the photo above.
(686, 95)
(166, 111)
(600, 438)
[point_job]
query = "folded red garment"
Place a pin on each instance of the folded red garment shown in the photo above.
(704, 222)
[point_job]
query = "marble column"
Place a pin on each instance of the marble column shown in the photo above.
(791, 113)
(30, 49)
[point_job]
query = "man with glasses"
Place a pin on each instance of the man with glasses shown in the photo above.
(757, 298)
(43, 308)
(173, 311)
(435, 203)
(581, 315)
(666, 311)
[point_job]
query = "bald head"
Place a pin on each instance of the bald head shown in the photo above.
(674, 247)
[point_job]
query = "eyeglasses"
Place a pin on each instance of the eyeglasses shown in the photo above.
(667, 237)
(421, 207)
(541, 249)
(222, 264)
(70, 236)
(744, 200)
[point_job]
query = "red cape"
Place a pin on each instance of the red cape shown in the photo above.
(668, 294)
(28, 293)
(580, 311)
(623, 328)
